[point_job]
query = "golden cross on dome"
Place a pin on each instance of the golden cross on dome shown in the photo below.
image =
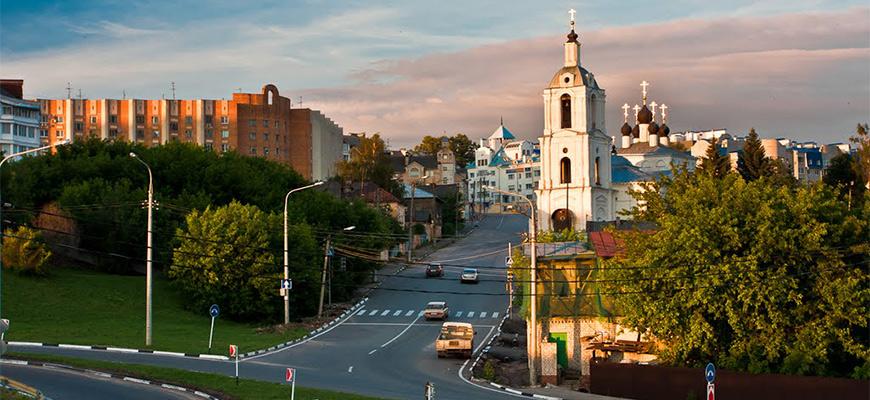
(644, 85)
(653, 105)
(636, 111)
(625, 109)
(572, 12)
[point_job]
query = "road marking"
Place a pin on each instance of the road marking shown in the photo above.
(373, 312)
(470, 314)
(495, 314)
(350, 369)
(483, 315)
(420, 314)
(410, 312)
(402, 332)
(403, 324)
(484, 341)
(361, 312)
(458, 314)
(385, 312)
(373, 351)
(397, 313)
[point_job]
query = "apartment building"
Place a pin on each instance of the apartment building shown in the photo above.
(19, 119)
(256, 124)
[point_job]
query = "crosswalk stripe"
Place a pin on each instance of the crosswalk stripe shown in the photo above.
(397, 313)
(470, 314)
(361, 312)
(421, 313)
(458, 314)
(385, 312)
(495, 314)
(410, 312)
(373, 312)
(482, 314)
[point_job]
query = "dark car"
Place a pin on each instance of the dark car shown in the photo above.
(434, 270)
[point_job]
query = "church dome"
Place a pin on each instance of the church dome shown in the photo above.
(636, 132)
(576, 76)
(644, 116)
(653, 128)
(664, 130)
(626, 129)
(572, 37)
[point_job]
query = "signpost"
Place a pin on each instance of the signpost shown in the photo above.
(710, 376)
(214, 311)
(290, 376)
(286, 285)
(234, 353)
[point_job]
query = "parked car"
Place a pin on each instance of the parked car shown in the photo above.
(469, 275)
(436, 310)
(434, 270)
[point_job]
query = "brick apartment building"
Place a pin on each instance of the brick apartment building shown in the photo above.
(256, 124)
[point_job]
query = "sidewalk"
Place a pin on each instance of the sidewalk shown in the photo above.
(567, 394)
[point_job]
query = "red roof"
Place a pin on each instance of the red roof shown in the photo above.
(605, 244)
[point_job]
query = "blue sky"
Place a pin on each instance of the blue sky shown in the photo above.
(347, 57)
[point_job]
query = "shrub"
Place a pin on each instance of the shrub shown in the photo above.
(24, 251)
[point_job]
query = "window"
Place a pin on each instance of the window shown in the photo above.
(58, 119)
(209, 119)
(511, 176)
(140, 134)
(209, 133)
(225, 147)
(140, 119)
(79, 126)
(209, 147)
(414, 172)
(113, 133)
(252, 136)
(528, 186)
(252, 122)
(481, 163)
(253, 151)
(511, 188)
(265, 123)
(93, 119)
(188, 120)
(597, 176)
(565, 170)
(277, 124)
(566, 111)
(7, 110)
(265, 151)
(472, 175)
(156, 134)
(173, 126)
(188, 134)
(58, 134)
(528, 174)
(538, 173)
(225, 134)
(155, 120)
(266, 137)
(43, 133)
(113, 119)
(6, 128)
(224, 119)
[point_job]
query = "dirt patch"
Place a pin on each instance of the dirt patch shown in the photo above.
(311, 323)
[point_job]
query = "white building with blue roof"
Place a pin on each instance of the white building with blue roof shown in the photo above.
(506, 163)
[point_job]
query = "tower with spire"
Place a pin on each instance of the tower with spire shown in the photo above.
(575, 180)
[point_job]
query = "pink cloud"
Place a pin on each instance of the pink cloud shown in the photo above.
(797, 75)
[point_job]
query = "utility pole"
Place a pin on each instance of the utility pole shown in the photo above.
(411, 223)
(148, 269)
(323, 276)
(286, 256)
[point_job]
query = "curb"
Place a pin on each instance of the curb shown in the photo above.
(108, 375)
(118, 349)
(521, 393)
(491, 339)
(346, 314)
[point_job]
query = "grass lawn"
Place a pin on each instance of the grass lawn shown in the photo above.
(82, 307)
(225, 385)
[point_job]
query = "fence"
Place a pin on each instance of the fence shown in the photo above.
(650, 382)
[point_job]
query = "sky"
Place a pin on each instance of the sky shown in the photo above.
(789, 68)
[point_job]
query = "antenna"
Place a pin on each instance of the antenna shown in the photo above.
(172, 87)
(123, 94)
(80, 93)
(239, 90)
(68, 90)
(300, 101)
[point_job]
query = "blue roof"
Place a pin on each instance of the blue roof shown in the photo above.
(502, 132)
(499, 159)
(418, 193)
(623, 171)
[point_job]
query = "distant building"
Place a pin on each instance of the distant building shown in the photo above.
(350, 142)
(426, 169)
(256, 124)
(503, 162)
(19, 120)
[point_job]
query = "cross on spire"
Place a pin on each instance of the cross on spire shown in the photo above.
(572, 12)
(664, 109)
(625, 109)
(644, 85)
(653, 105)
(636, 109)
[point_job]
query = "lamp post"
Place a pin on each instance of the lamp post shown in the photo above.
(148, 261)
(286, 257)
(411, 218)
(324, 273)
(7, 158)
(533, 277)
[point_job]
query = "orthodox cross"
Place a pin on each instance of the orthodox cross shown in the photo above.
(653, 105)
(636, 110)
(572, 12)
(664, 109)
(625, 109)
(644, 85)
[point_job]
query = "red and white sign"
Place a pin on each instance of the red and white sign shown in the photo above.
(290, 374)
(711, 391)
(234, 351)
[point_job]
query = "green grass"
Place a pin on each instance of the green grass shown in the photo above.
(82, 307)
(224, 386)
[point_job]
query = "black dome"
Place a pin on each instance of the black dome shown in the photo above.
(664, 130)
(653, 128)
(572, 37)
(635, 132)
(626, 129)
(644, 116)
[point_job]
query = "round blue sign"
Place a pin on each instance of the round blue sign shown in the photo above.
(710, 373)
(214, 310)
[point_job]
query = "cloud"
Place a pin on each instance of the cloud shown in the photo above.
(800, 75)
(111, 29)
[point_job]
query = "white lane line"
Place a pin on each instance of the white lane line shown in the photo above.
(373, 312)
(495, 314)
(483, 314)
(397, 313)
(410, 313)
(361, 312)
(402, 332)
(350, 369)
(470, 314)
(373, 351)
(458, 314)
(385, 312)
(484, 341)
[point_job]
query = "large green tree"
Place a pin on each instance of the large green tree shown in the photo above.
(862, 155)
(844, 173)
(753, 163)
(369, 162)
(748, 274)
(461, 146)
(714, 163)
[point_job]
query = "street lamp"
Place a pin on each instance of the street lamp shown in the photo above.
(411, 217)
(323, 274)
(533, 275)
(148, 261)
(7, 158)
(286, 271)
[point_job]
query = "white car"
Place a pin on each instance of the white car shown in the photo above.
(436, 310)
(468, 275)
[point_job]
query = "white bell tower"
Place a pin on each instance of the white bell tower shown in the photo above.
(575, 180)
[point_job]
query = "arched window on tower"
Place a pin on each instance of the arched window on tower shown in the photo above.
(566, 111)
(269, 98)
(592, 111)
(565, 170)
(597, 170)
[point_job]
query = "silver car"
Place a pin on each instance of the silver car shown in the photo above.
(469, 275)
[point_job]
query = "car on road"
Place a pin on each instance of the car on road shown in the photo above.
(469, 275)
(434, 270)
(456, 338)
(436, 310)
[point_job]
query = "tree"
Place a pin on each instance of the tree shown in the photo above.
(429, 145)
(753, 163)
(862, 156)
(369, 162)
(714, 163)
(843, 173)
(750, 275)
(24, 251)
(462, 148)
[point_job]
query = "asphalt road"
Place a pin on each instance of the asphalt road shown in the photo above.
(385, 349)
(61, 384)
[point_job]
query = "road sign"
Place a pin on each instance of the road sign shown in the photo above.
(234, 351)
(287, 284)
(710, 373)
(508, 261)
(711, 391)
(330, 251)
(290, 375)
(214, 310)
